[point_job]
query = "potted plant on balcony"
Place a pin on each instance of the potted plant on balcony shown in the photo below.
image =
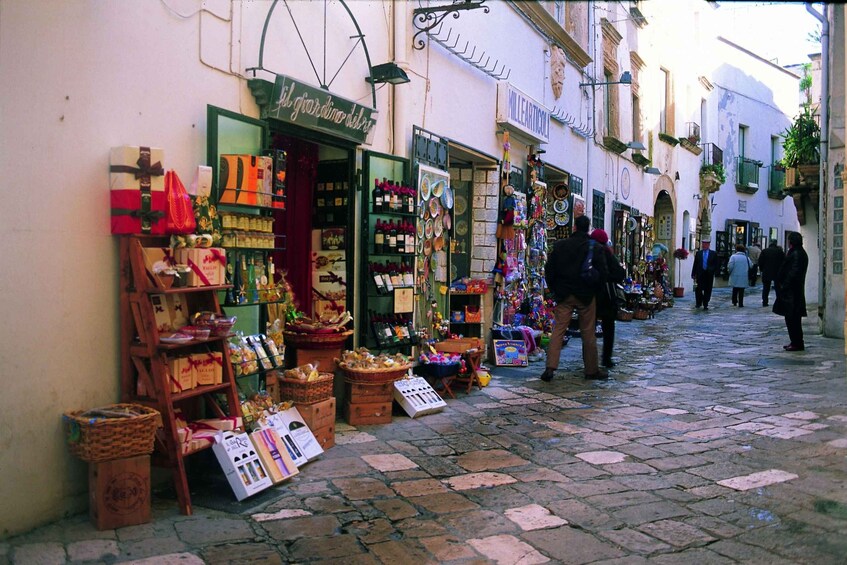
(680, 255)
(801, 149)
(712, 177)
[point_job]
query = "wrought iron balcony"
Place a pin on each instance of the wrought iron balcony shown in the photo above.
(712, 154)
(776, 182)
(691, 139)
(747, 175)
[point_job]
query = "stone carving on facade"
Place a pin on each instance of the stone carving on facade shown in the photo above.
(557, 70)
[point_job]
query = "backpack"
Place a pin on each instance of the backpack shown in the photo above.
(588, 273)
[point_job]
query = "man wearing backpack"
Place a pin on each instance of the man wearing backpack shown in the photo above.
(575, 270)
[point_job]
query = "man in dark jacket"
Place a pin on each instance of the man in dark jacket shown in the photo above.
(573, 292)
(703, 273)
(769, 262)
(790, 294)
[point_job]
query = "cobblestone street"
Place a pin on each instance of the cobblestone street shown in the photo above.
(710, 444)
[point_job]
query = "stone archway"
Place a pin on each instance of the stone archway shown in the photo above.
(664, 206)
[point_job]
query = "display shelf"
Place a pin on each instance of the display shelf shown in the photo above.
(410, 255)
(198, 391)
(260, 303)
(186, 289)
(396, 214)
(253, 249)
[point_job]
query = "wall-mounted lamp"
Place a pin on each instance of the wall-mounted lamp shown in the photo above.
(636, 146)
(626, 78)
(387, 72)
(712, 202)
(652, 171)
(676, 176)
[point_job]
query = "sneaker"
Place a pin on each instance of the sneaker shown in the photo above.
(547, 375)
(598, 376)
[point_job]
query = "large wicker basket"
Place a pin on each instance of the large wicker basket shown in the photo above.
(95, 439)
(316, 341)
(641, 314)
(625, 315)
(306, 392)
(374, 376)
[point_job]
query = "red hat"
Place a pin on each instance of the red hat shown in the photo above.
(599, 236)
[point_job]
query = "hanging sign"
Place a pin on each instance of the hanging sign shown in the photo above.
(522, 114)
(298, 103)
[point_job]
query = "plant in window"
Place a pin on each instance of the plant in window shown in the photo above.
(802, 140)
(715, 169)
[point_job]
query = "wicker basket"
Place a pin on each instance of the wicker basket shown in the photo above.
(641, 314)
(316, 341)
(375, 376)
(103, 439)
(306, 392)
(625, 315)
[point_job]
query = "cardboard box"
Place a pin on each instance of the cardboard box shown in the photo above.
(169, 311)
(289, 422)
(137, 190)
(208, 367)
(241, 464)
(369, 413)
(332, 285)
(325, 436)
(274, 455)
(237, 177)
(319, 414)
(265, 181)
(369, 393)
(119, 492)
(208, 265)
(324, 358)
(182, 375)
(417, 397)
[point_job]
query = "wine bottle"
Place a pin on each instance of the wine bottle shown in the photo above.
(392, 237)
(410, 194)
(401, 238)
(377, 276)
(413, 334)
(245, 281)
(396, 281)
(410, 238)
(379, 238)
(377, 197)
(408, 277)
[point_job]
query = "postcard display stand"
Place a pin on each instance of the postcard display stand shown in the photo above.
(145, 373)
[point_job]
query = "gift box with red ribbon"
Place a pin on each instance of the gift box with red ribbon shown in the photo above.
(208, 265)
(209, 367)
(137, 190)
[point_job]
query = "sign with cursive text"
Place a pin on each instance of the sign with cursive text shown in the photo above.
(298, 103)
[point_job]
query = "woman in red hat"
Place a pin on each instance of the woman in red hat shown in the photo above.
(607, 302)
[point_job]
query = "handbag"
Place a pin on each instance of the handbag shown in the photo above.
(616, 294)
(179, 211)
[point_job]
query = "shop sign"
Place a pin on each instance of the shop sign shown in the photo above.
(521, 113)
(297, 103)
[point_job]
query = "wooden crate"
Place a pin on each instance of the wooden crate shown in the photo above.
(318, 415)
(358, 393)
(325, 436)
(367, 413)
(324, 357)
(119, 492)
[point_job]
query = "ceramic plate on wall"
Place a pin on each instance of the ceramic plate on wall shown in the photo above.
(562, 219)
(461, 204)
(425, 188)
(447, 220)
(560, 192)
(560, 206)
(461, 227)
(438, 188)
(428, 229)
(439, 227)
(447, 198)
(420, 229)
(434, 207)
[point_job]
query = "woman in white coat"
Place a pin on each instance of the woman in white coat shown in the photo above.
(739, 273)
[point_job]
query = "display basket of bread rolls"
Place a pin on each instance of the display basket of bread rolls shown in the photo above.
(362, 367)
(304, 391)
(327, 340)
(111, 432)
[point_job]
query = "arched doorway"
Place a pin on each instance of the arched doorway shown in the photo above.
(665, 222)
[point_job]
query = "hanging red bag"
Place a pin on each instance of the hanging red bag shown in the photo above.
(180, 213)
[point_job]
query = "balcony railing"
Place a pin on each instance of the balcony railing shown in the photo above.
(776, 182)
(712, 154)
(747, 174)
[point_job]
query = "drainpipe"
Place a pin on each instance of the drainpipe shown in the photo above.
(822, 196)
(399, 115)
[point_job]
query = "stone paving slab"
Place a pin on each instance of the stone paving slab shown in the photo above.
(742, 462)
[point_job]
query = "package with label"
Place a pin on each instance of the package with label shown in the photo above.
(208, 367)
(181, 374)
(237, 177)
(241, 464)
(207, 265)
(289, 422)
(169, 311)
(264, 181)
(274, 455)
(137, 190)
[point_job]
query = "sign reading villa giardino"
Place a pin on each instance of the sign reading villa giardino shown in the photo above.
(522, 114)
(298, 103)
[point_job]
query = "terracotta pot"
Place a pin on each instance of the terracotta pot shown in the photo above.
(678, 292)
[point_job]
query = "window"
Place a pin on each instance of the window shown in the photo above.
(664, 100)
(636, 118)
(775, 145)
(742, 141)
(607, 102)
(703, 122)
(598, 210)
(559, 11)
(686, 229)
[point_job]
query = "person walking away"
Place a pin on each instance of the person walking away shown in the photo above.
(790, 294)
(769, 262)
(739, 274)
(754, 252)
(607, 301)
(563, 273)
(703, 273)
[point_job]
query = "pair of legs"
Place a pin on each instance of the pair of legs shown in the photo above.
(562, 314)
(754, 274)
(794, 324)
(766, 290)
(608, 325)
(703, 292)
(738, 296)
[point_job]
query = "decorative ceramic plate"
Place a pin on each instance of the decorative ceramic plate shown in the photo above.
(438, 188)
(461, 227)
(428, 229)
(425, 188)
(420, 229)
(461, 204)
(560, 206)
(176, 338)
(421, 258)
(447, 198)
(439, 227)
(454, 272)
(423, 210)
(631, 224)
(447, 220)
(434, 207)
(562, 219)
(427, 250)
(438, 244)
(560, 192)
(551, 223)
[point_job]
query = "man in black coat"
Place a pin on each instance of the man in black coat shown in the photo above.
(703, 273)
(572, 292)
(790, 291)
(769, 262)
